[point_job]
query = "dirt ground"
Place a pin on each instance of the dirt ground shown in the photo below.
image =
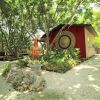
(80, 83)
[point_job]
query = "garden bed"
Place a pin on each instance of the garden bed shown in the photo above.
(55, 68)
(60, 61)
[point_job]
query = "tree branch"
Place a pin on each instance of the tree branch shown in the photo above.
(73, 14)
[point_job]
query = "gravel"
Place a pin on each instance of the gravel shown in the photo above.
(80, 83)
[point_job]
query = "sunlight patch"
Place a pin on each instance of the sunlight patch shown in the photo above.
(90, 78)
(85, 67)
(12, 95)
(1, 95)
(96, 87)
(77, 86)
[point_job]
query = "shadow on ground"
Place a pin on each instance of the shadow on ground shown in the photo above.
(80, 83)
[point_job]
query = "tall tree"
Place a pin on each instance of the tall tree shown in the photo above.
(19, 18)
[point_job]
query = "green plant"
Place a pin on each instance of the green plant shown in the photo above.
(97, 42)
(25, 62)
(22, 63)
(60, 61)
(5, 69)
(72, 62)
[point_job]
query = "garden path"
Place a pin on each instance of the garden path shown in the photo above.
(80, 83)
(1, 63)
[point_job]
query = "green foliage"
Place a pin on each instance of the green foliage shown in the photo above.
(13, 28)
(22, 63)
(19, 18)
(97, 42)
(96, 17)
(26, 62)
(61, 61)
(5, 69)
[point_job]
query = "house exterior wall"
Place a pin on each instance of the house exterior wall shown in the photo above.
(83, 42)
(79, 34)
(89, 39)
(52, 36)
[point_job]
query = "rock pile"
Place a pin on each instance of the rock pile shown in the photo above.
(25, 78)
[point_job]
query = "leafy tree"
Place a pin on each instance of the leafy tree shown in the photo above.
(96, 17)
(97, 42)
(13, 28)
(19, 18)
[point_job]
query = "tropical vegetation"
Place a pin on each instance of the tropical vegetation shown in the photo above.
(60, 61)
(20, 19)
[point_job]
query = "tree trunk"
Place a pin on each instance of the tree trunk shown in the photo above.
(47, 35)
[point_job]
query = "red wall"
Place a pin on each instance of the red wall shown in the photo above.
(52, 36)
(79, 34)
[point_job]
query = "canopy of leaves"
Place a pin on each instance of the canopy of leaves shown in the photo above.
(96, 17)
(19, 18)
(97, 42)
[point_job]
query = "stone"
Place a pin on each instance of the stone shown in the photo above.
(26, 79)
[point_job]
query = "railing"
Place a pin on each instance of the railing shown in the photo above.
(2, 55)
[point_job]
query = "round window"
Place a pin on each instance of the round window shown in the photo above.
(64, 42)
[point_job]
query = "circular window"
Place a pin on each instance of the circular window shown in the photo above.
(64, 41)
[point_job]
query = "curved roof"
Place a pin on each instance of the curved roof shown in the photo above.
(57, 28)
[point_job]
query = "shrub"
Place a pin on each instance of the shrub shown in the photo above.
(22, 63)
(61, 61)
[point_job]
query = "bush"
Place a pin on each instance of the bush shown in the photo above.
(61, 61)
(22, 63)
(26, 62)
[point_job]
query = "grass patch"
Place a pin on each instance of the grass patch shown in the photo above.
(4, 68)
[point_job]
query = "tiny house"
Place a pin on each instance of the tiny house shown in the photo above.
(76, 35)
